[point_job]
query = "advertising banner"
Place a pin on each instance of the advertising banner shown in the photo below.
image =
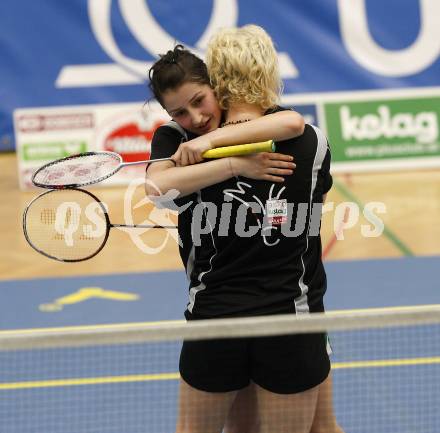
(98, 52)
(46, 134)
(383, 129)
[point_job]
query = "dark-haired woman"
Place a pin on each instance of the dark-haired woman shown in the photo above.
(181, 84)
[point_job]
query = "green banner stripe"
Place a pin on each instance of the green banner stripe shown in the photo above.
(404, 249)
(43, 151)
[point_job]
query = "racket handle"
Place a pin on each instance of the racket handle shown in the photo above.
(240, 149)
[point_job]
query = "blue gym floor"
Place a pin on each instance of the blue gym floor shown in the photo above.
(385, 381)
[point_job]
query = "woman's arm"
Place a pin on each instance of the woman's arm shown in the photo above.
(164, 176)
(278, 126)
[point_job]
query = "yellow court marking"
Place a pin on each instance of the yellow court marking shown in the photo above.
(86, 293)
(386, 363)
(175, 376)
(89, 381)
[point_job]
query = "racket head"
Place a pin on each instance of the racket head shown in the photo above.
(68, 225)
(77, 170)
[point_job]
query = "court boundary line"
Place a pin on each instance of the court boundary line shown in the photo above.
(393, 238)
(105, 380)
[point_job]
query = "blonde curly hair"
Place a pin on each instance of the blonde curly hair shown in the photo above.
(243, 67)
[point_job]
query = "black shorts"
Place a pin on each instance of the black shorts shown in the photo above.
(283, 364)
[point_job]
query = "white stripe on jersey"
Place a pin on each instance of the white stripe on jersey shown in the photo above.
(301, 302)
(202, 286)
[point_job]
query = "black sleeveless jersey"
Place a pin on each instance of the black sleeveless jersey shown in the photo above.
(253, 247)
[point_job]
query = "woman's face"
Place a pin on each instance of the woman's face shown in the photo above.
(194, 107)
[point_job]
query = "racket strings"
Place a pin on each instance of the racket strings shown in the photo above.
(87, 234)
(58, 237)
(47, 216)
(67, 225)
(79, 170)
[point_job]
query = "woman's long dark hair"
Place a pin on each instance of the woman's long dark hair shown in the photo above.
(176, 67)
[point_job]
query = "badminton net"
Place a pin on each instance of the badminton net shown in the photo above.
(124, 378)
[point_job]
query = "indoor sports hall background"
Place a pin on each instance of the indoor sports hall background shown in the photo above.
(74, 78)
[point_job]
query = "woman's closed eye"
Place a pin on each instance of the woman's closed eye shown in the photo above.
(198, 101)
(177, 114)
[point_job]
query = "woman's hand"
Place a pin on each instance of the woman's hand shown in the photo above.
(190, 152)
(263, 166)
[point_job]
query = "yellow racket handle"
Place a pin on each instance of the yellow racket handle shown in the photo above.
(240, 149)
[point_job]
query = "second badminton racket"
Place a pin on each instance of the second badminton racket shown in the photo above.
(69, 225)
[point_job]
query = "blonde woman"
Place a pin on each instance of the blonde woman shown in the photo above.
(287, 379)
(261, 384)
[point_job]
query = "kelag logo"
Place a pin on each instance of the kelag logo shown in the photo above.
(383, 129)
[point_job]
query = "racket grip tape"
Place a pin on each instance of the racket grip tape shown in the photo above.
(240, 149)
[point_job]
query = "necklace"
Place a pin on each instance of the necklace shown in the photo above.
(234, 122)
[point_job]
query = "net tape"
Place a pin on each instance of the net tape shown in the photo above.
(220, 328)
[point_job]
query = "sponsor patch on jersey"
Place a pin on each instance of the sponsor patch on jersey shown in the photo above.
(276, 211)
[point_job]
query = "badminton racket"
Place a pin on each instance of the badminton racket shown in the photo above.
(69, 225)
(92, 167)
